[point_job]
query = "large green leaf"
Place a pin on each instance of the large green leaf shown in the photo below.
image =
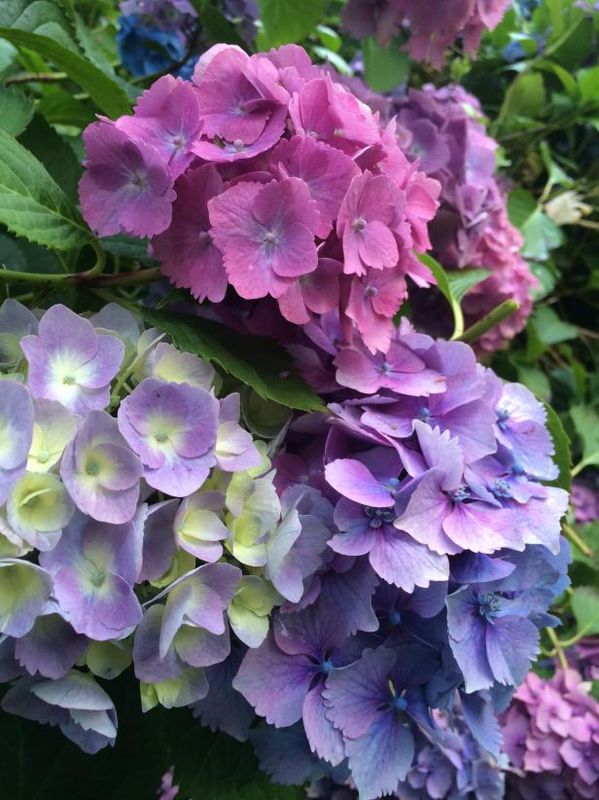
(32, 205)
(103, 90)
(44, 17)
(289, 20)
(55, 153)
(384, 67)
(585, 607)
(561, 443)
(545, 329)
(257, 362)
(16, 110)
(586, 423)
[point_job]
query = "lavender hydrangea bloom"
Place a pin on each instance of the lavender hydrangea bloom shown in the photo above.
(24, 591)
(493, 626)
(304, 649)
(81, 709)
(16, 433)
(71, 363)
(372, 703)
(172, 428)
(16, 321)
(100, 471)
(94, 568)
(51, 647)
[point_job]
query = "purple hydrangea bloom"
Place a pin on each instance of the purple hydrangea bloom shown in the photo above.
(81, 709)
(16, 433)
(127, 187)
(70, 362)
(304, 649)
(493, 626)
(24, 591)
(172, 428)
(551, 735)
(100, 471)
(51, 647)
(94, 568)
(372, 702)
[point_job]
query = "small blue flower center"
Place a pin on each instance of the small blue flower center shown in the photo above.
(501, 489)
(424, 414)
(489, 606)
(517, 468)
(92, 468)
(379, 516)
(394, 617)
(400, 703)
(392, 484)
(326, 666)
(502, 417)
(271, 238)
(460, 495)
(359, 224)
(386, 368)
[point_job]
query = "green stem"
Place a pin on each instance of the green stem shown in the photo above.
(558, 648)
(36, 77)
(576, 540)
(115, 395)
(13, 276)
(125, 279)
(491, 320)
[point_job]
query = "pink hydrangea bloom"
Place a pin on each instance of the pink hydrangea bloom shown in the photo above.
(266, 235)
(188, 255)
(434, 26)
(287, 185)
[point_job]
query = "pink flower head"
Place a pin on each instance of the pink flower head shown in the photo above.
(126, 186)
(326, 171)
(366, 223)
(242, 105)
(314, 293)
(329, 112)
(294, 65)
(266, 235)
(186, 251)
(166, 116)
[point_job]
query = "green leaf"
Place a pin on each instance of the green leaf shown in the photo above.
(287, 21)
(216, 25)
(549, 328)
(11, 254)
(561, 443)
(16, 110)
(453, 287)
(55, 154)
(524, 98)
(32, 205)
(462, 280)
(521, 205)
(103, 90)
(586, 424)
(590, 536)
(44, 17)
(384, 67)
(588, 83)
(540, 236)
(61, 108)
(585, 607)
(272, 379)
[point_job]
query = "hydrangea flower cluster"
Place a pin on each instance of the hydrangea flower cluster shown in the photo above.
(155, 35)
(267, 175)
(432, 26)
(146, 534)
(551, 735)
(444, 558)
(443, 131)
(585, 500)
